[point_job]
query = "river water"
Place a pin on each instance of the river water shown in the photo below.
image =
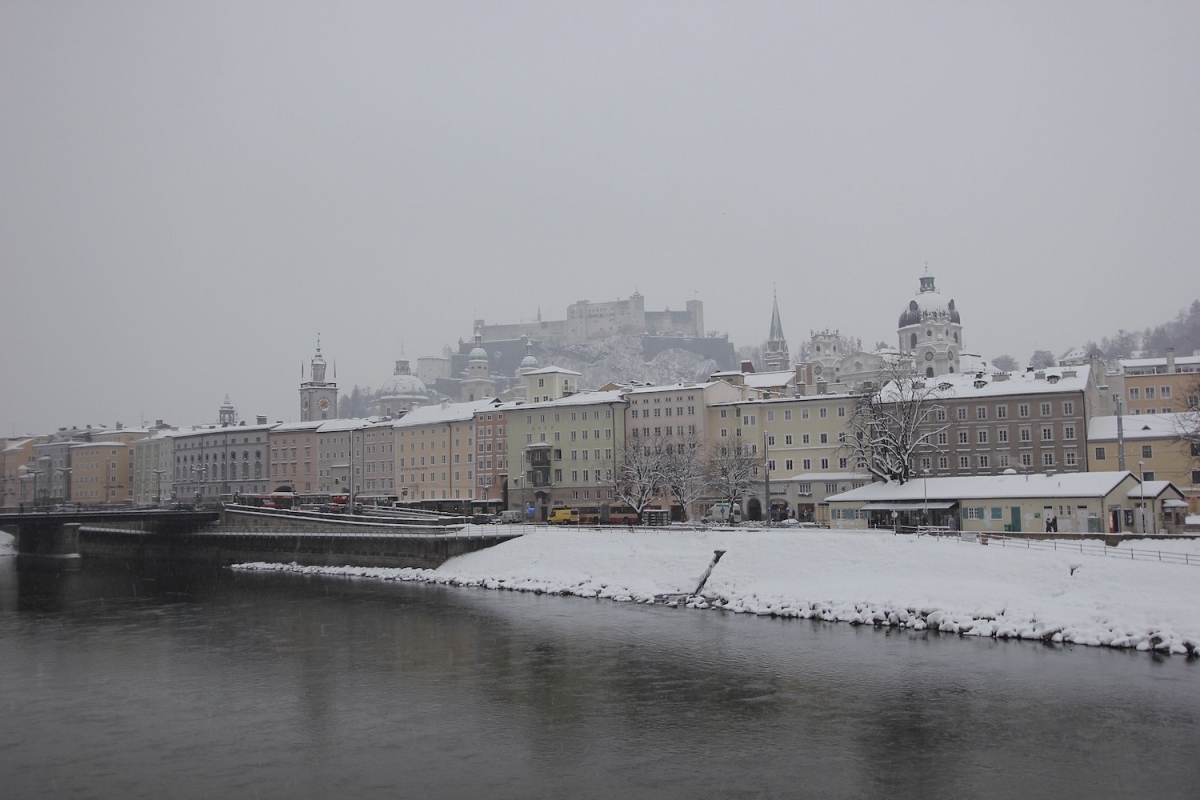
(209, 683)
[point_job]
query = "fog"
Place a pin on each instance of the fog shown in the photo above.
(191, 191)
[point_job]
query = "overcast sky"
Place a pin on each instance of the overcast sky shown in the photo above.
(189, 191)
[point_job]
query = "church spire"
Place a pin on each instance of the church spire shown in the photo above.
(775, 353)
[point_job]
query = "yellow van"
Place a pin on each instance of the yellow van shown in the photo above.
(564, 516)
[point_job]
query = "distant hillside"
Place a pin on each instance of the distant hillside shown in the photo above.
(1182, 333)
(619, 359)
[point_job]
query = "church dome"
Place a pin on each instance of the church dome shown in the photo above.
(529, 362)
(403, 384)
(928, 303)
(478, 354)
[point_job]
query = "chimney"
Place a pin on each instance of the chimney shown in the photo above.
(1170, 360)
(119, 425)
(261, 419)
(747, 367)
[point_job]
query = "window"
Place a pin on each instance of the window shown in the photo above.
(1101, 454)
(1196, 477)
(962, 412)
(1001, 412)
(824, 463)
(841, 411)
(964, 462)
(823, 413)
(770, 416)
(941, 414)
(962, 437)
(824, 438)
(1025, 435)
(1069, 432)
(1134, 393)
(787, 414)
(1047, 433)
(1070, 458)
(1002, 460)
(1023, 410)
(788, 465)
(1147, 451)
(787, 439)
(1002, 435)
(1149, 392)
(807, 463)
(1048, 459)
(997, 512)
(981, 412)
(804, 438)
(941, 438)
(982, 436)
(1068, 408)
(943, 462)
(1148, 475)
(1165, 392)
(973, 513)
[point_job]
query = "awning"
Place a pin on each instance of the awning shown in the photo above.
(1174, 504)
(932, 504)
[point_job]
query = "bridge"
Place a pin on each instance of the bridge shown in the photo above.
(58, 540)
(50, 539)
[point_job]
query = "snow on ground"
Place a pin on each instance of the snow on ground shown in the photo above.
(864, 577)
(8, 543)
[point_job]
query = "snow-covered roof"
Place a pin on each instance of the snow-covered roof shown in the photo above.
(1153, 490)
(963, 384)
(19, 444)
(334, 425)
(979, 487)
(579, 399)
(1136, 426)
(769, 380)
(441, 414)
(1134, 363)
(99, 444)
(674, 387)
(552, 371)
(818, 477)
(287, 427)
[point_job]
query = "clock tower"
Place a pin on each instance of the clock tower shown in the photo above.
(318, 397)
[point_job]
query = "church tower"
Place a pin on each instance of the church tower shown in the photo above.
(478, 384)
(775, 353)
(226, 414)
(318, 397)
(930, 331)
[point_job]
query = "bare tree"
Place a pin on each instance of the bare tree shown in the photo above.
(895, 423)
(639, 479)
(732, 467)
(1187, 422)
(684, 469)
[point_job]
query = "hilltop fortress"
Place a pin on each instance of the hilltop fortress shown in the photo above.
(588, 321)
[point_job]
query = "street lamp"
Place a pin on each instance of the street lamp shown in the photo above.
(65, 472)
(35, 473)
(925, 485)
(158, 495)
(1142, 471)
(523, 512)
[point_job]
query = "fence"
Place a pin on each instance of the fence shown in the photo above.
(1085, 548)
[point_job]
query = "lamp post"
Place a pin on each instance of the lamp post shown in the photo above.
(158, 496)
(925, 486)
(895, 524)
(65, 472)
(524, 513)
(1141, 469)
(35, 473)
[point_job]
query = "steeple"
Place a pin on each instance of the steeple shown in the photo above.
(318, 364)
(775, 353)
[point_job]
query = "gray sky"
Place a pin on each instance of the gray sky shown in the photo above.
(191, 190)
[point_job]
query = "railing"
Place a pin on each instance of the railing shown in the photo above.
(1084, 548)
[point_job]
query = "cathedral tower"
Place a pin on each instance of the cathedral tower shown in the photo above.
(318, 397)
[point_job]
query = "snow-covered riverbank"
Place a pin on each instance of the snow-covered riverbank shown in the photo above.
(857, 577)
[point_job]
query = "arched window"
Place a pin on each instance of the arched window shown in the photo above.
(929, 372)
(245, 470)
(913, 341)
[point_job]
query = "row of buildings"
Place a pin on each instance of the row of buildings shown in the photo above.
(549, 444)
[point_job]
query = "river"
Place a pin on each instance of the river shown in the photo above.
(210, 683)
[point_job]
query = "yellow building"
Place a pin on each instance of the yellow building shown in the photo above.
(1153, 448)
(565, 452)
(1161, 385)
(17, 472)
(102, 472)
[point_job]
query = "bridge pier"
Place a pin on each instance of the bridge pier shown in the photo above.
(50, 547)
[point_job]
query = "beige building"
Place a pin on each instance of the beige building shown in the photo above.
(17, 472)
(565, 452)
(1161, 385)
(798, 439)
(295, 457)
(378, 460)
(1080, 502)
(1153, 449)
(335, 448)
(491, 454)
(102, 472)
(435, 452)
